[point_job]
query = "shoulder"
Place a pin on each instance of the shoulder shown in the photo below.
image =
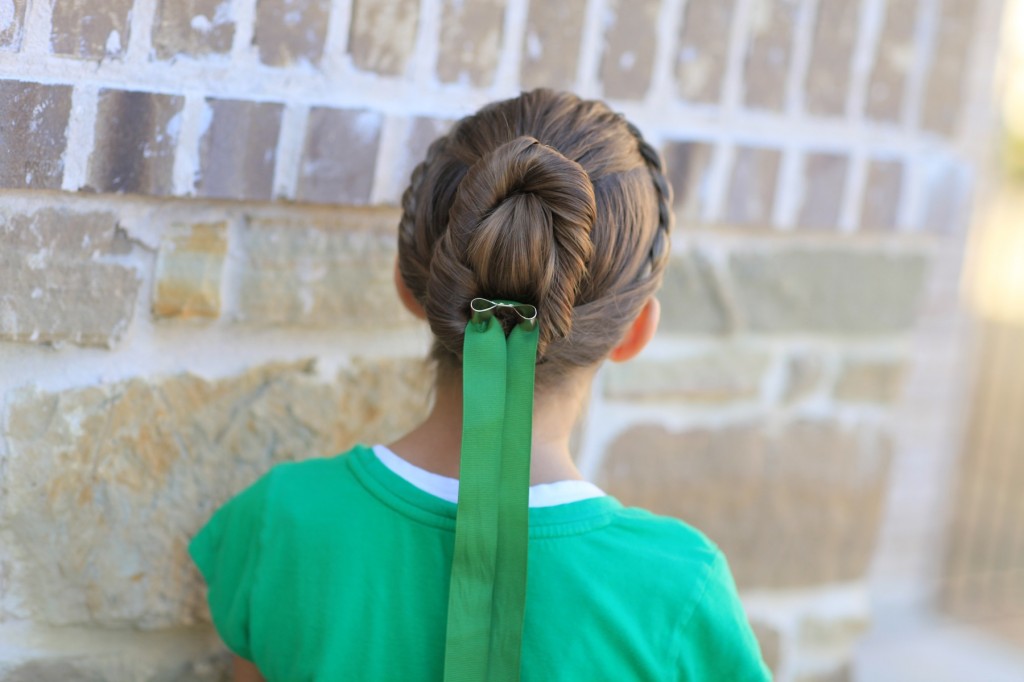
(666, 538)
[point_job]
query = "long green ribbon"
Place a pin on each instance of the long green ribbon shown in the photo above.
(487, 597)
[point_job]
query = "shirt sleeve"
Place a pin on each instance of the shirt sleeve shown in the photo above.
(227, 552)
(717, 640)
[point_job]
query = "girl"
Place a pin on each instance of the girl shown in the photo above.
(533, 238)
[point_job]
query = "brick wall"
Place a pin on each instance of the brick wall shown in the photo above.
(198, 217)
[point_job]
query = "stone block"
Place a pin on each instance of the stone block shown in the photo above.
(193, 27)
(843, 673)
(106, 484)
(12, 24)
(751, 196)
(238, 149)
(33, 134)
(627, 57)
(824, 188)
(188, 271)
(829, 70)
(291, 31)
(55, 287)
(768, 53)
(893, 60)
(90, 29)
(688, 167)
(135, 137)
(867, 381)
(339, 156)
(691, 298)
(883, 190)
(382, 35)
(768, 638)
(719, 376)
(703, 51)
(318, 273)
(836, 635)
(944, 94)
(828, 290)
(792, 505)
(471, 40)
(551, 45)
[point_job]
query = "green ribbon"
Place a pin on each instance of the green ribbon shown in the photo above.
(487, 598)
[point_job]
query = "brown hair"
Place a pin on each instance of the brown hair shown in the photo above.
(545, 199)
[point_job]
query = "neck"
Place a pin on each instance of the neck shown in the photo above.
(435, 444)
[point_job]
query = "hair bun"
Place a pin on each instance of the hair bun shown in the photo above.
(519, 228)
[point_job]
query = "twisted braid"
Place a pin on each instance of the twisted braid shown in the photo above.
(661, 241)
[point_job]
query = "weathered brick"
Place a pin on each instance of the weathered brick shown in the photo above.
(828, 74)
(691, 297)
(470, 41)
(703, 51)
(383, 34)
(947, 188)
(193, 27)
(551, 44)
(882, 192)
(136, 133)
(106, 483)
(751, 196)
(12, 23)
(688, 166)
(768, 638)
(238, 149)
(791, 505)
(714, 377)
(943, 92)
(90, 29)
(768, 53)
(417, 135)
(54, 289)
(33, 125)
(291, 31)
(319, 273)
(866, 381)
(630, 35)
(824, 185)
(828, 290)
(893, 61)
(339, 156)
(188, 271)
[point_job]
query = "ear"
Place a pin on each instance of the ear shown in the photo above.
(408, 300)
(639, 333)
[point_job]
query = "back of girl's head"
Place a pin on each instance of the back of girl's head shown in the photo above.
(544, 199)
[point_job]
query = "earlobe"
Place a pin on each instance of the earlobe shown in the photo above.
(408, 300)
(639, 333)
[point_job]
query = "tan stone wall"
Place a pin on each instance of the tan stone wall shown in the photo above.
(197, 223)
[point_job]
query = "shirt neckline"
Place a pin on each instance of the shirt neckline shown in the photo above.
(447, 488)
(571, 518)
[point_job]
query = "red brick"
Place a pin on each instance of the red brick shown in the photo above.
(238, 150)
(12, 24)
(551, 45)
(828, 75)
(882, 191)
(944, 88)
(703, 51)
(768, 54)
(470, 41)
(688, 166)
(383, 34)
(824, 187)
(193, 27)
(33, 125)
(629, 40)
(90, 29)
(339, 156)
(291, 31)
(892, 62)
(751, 196)
(136, 134)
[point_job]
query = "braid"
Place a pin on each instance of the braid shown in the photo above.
(661, 241)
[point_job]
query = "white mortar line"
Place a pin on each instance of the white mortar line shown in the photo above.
(853, 192)
(243, 52)
(81, 132)
(195, 117)
(591, 49)
(925, 29)
(140, 31)
(789, 187)
(394, 131)
(428, 44)
(803, 42)
(288, 156)
(870, 21)
(732, 79)
(719, 175)
(663, 90)
(506, 74)
(35, 36)
(335, 56)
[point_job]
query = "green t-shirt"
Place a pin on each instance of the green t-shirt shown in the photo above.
(337, 569)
